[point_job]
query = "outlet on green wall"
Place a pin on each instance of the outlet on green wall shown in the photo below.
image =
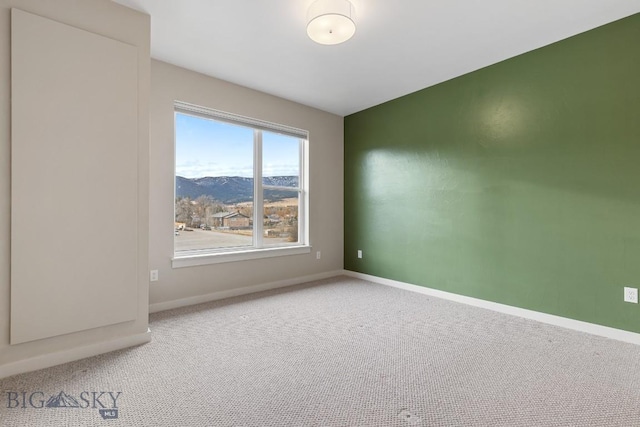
(518, 183)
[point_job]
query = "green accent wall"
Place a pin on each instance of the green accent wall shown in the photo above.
(518, 183)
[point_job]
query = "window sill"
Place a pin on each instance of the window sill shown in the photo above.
(220, 257)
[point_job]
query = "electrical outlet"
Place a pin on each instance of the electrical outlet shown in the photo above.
(153, 275)
(631, 295)
(318, 255)
(359, 253)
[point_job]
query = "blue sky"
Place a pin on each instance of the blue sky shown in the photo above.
(209, 148)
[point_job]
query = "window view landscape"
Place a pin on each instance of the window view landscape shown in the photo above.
(215, 195)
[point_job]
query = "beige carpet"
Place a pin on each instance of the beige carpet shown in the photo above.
(340, 352)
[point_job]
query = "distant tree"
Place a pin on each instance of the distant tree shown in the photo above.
(293, 232)
(205, 206)
(205, 200)
(184, 210)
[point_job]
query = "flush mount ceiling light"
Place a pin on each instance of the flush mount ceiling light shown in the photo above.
(331, 21)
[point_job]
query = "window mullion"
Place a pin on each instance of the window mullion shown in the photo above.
(257, 190)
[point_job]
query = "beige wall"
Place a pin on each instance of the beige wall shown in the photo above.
(169, 83)
(111, 20)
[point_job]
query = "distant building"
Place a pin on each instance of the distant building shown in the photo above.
(231, 220)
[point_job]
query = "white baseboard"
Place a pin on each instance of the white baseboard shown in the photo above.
(576, 325)
(70, 355)
(214, 296)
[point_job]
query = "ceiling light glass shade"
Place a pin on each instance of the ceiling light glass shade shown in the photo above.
(331, 21)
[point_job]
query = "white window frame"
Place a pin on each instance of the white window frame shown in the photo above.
(259, 249)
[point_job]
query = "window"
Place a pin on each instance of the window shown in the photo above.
(240, 187)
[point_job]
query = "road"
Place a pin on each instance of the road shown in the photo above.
(204, 239)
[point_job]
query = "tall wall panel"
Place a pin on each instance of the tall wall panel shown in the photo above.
(74, 180)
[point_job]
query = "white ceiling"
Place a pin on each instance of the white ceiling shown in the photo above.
(399, 47)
